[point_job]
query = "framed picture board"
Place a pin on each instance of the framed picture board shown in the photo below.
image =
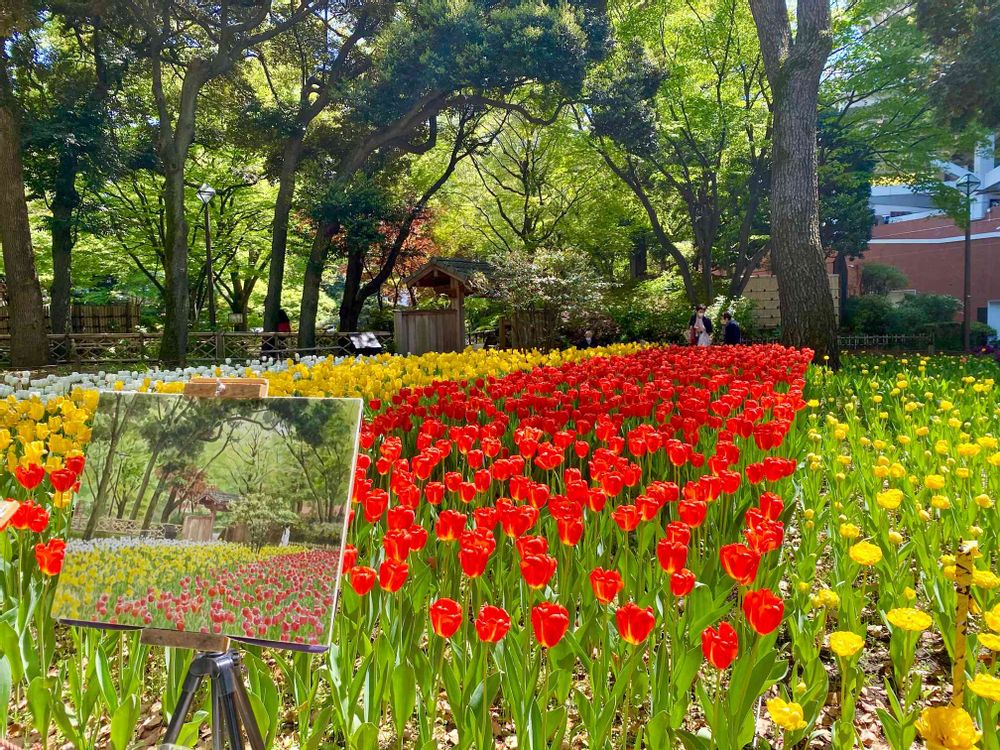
(214, 516)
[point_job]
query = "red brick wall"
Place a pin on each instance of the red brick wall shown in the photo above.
(938, 268)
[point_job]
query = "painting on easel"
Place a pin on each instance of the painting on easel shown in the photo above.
(220, 516)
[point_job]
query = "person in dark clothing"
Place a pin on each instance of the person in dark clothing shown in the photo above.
(589, 341)
(274, 346)
(700, 328)
(731, 333)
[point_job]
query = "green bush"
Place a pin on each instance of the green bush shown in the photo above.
(869, 314)
(650, 310)
(878, 278)
(915, 314)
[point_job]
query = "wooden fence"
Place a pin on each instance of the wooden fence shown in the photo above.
(529, 329)
(422, 331)
(121, 317)
(203, 347)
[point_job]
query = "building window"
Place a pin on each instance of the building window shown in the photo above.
(981, 314)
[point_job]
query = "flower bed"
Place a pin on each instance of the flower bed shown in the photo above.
(591, 546)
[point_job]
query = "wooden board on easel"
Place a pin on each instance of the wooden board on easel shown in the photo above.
(202, 387)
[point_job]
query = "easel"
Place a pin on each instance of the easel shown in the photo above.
(215, 660)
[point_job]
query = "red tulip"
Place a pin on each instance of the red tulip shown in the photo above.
(392, 575)
(30, 516)
(362, 579)
(62, 480)
(739, 562)
(399, 517)
(677, 531)
(606, 584)
(550, 622)
(350, 557)
(672, 555)
(475, 548)
(627, 517)
(434, 492)
(375, 504)
(570, 531)
(396, 544)
(29, 476)
(416, 537)
(450, 525)
(720, 646)
(692, 512)
(446, 617)
(771, 506)
(682, 582)
(531, 545)
(75, 464)
(763, 610)
(635, 623)
(517, 519)
(492, 623)
(50, 556)
(537, 570)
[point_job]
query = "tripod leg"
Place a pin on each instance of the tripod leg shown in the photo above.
(232, 723)
(191, 684)
(218, 715)
(245, 710)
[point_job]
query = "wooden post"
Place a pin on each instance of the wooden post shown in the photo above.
(963, 583)
(243, 388)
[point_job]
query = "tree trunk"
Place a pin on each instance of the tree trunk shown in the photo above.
(279, 229)
(101, 498)
(311, 285)
(352, 302)
(807, 312)
(29, 345)
(173, 346)
(793, 67)
(65, 200)
(140, 494)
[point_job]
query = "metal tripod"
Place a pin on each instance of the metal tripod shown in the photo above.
(230, 703)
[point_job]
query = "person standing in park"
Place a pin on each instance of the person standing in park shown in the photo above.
(700, 328)
(588, 341)
(731, 333)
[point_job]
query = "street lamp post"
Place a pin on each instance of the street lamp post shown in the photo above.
(205, 194)
(968, 183)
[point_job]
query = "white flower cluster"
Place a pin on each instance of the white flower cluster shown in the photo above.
(128, 542)
(22, 385)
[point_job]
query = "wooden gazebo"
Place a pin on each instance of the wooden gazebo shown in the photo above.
(421, 331)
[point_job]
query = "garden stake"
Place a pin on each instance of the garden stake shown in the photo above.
(963, 582)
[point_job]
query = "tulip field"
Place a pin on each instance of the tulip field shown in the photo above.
(624, 547)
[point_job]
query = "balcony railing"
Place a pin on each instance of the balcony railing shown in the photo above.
(204, 347)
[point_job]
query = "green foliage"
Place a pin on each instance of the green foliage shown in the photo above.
(869, 313)
(879, 278)
(967, 59)
(357, 210)
(914, 314)
(651, 310)
(846, 169)
(263, 515)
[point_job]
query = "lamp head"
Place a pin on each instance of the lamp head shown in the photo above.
(205, 193)
(968, 182)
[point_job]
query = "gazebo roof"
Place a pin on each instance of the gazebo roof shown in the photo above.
(440, 271)
(217, 500)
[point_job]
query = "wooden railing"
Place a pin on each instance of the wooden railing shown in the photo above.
(899, 342)
(203, 347)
